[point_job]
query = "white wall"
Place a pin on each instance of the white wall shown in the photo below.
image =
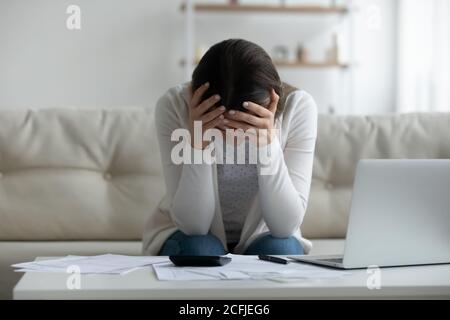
(376, 56)
(128, 52)
(125, 54)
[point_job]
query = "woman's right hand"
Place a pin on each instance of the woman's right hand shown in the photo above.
(201, 111)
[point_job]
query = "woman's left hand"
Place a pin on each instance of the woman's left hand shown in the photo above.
(259, 119)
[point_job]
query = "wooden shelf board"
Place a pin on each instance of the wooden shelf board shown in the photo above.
(268, 8)
(296, 64)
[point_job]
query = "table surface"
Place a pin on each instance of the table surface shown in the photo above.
(401, 282)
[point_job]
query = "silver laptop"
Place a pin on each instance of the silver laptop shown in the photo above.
(399, 216)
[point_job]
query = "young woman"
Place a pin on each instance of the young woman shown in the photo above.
(212, 209)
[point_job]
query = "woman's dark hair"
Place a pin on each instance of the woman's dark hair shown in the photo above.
(239, 71)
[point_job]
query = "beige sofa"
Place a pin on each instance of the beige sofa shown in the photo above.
(83, 181)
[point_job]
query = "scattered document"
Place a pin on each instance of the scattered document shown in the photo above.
(241, 267)
(246, 267)
(101, 264)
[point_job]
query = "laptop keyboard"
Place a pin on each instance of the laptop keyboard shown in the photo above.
(334, 260)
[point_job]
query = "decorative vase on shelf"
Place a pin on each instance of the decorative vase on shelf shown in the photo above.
(302, 54)
(333, 52)
(280, 54)
(200, 52)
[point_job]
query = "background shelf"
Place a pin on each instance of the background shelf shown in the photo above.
(332, 75)
(297, 64)
(317, 65)
(268, 8)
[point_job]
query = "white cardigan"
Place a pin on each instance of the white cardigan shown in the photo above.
(191, 203)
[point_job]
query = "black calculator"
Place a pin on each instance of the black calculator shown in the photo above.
(199, 261)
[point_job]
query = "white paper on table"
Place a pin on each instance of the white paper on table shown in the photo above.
(46, 262)
(103, 264)
(245, 267)
(168, 272)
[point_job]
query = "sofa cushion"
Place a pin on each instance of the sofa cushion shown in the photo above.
(77, 174)
(343, 140)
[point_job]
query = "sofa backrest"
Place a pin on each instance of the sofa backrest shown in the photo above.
(77, 174)
(90, 174)
(343, 140)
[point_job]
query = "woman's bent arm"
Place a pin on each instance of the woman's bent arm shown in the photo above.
(284, 192)
(189, 186)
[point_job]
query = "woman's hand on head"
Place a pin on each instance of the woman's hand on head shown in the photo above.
(204, 112)
(258, 118)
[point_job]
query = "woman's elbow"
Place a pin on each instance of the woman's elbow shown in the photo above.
(192, 229)
(191, 223)
(285, 228)
(282, 232)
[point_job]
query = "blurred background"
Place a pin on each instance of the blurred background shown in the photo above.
(353, 56)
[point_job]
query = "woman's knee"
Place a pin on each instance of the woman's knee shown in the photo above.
(267, 244)
(180, 243)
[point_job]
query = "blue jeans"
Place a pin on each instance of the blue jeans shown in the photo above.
(209, 245)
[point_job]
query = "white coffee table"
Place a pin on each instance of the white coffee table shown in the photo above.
(429, 282)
